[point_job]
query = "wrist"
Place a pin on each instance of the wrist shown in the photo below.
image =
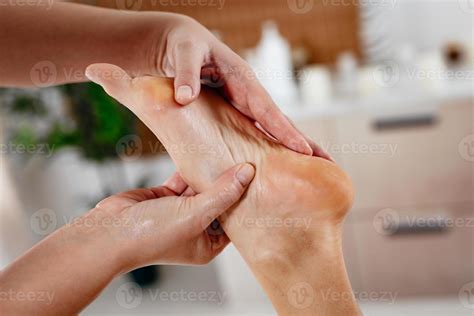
(95, 235)
(157, 27)
(138, 47)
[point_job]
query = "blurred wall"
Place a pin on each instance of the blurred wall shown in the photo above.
(430, 24)
(387, 26)
(325, 28)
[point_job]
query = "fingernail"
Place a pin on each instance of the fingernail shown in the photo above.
(184, 93)
(318, 151)
(245, 174)
(89, 75)
(301, 146)
(307, 149)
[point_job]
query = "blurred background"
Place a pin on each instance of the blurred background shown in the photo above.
(386, 86)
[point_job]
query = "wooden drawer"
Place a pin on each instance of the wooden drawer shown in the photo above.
(409, 162)
(420, 257)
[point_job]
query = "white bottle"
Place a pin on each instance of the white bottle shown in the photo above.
(346, 80)
(272, 64)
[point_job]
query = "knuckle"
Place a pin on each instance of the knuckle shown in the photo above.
(186, 45)
(108, 203)
(203, 260)
(186, 75)
(229, 194)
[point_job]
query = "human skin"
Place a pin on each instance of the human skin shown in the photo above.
(45, 45)
(300, 267)
(164, 225)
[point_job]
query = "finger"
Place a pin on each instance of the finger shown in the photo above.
(207, 206)
(269, 116)
(318, 151)
(176, 183)
(261, 106)
(128, 198)
(188, 192)
(188, 60)
(115, 81)
(219, 241)
(209, 246)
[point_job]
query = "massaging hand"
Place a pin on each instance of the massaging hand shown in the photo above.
(61, 46)
(171, 224)
(167, 224)
(189, 52)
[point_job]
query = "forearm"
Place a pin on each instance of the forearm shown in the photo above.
(62, 274)
(71, 37)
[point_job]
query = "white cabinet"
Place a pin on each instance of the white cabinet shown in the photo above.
(409, 161)
(411, 230)
(429, 253)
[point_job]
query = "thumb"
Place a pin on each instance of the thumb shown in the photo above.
(225, 192)
(115, 81)
(188, 62)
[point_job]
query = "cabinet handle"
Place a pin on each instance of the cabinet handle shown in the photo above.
(395, 123)
(438, 226)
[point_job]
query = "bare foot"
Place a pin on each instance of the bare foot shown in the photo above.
(292, 212)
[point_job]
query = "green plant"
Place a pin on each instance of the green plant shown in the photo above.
(98, 121)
